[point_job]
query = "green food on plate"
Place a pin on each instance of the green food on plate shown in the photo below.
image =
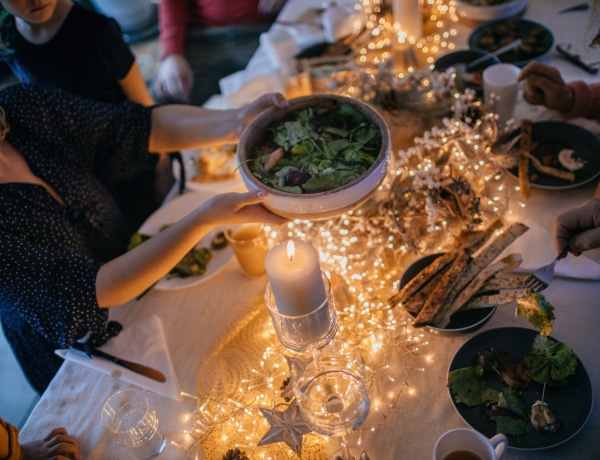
(194, 263)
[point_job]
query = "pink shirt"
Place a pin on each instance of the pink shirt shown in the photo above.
(587, 100)
(175, 16)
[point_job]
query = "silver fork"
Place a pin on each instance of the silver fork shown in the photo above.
(543, 276)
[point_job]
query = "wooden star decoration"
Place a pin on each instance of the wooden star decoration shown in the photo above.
(287, 426)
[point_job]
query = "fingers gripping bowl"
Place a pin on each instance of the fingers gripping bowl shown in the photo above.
(350, 166)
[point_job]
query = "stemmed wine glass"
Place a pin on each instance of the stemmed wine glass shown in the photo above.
(332, 392)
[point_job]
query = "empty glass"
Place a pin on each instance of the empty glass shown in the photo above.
(332, 392)
(132, 421)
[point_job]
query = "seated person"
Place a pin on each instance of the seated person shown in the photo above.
(63, 235)
(203, 41)
(58, 444)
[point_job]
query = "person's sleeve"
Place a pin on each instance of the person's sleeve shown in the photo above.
(586, 99)
(114, 51)
(172, 23)
(111, 139)
(9, 442)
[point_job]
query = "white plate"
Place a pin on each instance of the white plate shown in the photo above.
(170, 213)
(191, 170)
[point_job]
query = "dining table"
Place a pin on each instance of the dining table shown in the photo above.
(226, 368)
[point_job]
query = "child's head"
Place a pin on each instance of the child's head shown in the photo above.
(31, 11)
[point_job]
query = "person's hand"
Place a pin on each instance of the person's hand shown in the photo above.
(545, 86)
(270, 7)
(239, 208)
(174, 79)
(578, 228)
(247, 113)
(58, 445)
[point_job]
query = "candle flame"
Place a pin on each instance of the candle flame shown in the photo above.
(291, 250)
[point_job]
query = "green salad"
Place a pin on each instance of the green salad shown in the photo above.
(194, 263)
(317, 149)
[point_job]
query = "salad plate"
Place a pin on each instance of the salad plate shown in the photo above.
(568, 136)
(572, 404)
(170, 213)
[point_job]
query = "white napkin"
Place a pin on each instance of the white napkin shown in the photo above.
(338, 22)
(142, 342)
(280, 46)
(537, 250)
(246, 85)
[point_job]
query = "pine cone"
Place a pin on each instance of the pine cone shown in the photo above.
(235, 454)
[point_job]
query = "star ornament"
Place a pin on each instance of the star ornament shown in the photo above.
(287, 425)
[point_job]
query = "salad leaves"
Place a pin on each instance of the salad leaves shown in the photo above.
(324, 149)
(550, 362)
(538, 311)
(194, 263)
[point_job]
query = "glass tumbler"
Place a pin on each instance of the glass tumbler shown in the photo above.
(132, 421)
(250, 247)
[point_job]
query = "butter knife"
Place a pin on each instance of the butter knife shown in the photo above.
(146, 371)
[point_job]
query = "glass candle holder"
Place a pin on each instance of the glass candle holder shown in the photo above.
(305, 332)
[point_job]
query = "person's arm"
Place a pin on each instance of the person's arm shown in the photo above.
(545, 86)
(125, 277)
(183, 127)
(134, 86)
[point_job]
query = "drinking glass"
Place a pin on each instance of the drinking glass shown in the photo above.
(132, 421)
(250, 247)
(332, 392)
(307, 332)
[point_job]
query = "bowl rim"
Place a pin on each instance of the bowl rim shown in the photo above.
(264, 119)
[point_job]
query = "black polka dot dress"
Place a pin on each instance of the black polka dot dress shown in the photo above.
(50, 252)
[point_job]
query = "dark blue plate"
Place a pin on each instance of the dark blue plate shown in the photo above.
(461, 322)
(572, 404)
(537, 40)
(568, 136)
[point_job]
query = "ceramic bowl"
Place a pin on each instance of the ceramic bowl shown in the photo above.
(537, 39)
(459, 59)
(322, 205)
(473, 11)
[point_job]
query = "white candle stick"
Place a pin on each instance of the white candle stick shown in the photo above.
(408, 19)
(295, 275)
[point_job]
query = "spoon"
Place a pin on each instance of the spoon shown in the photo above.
(512, 45)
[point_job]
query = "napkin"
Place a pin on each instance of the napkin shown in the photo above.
(142, 342)
(246, 85)
(280, 46)
(338, 22)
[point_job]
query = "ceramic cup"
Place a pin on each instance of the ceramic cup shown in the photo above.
(250, 246)
(468, 444)
(501, 89)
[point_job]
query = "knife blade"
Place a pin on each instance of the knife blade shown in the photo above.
(141, 369)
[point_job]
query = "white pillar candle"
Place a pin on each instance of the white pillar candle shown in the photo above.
(295, 275)
(408, 19)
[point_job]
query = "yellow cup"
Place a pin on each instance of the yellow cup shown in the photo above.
(250, 247)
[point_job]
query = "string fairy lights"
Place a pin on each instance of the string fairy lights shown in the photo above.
(450, 177)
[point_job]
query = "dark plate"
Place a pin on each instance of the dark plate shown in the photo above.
(570, 136)
(537, 39)
(473, 79)
(462, 321)
(572, 404)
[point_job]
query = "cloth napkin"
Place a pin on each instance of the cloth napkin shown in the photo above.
(142, 342)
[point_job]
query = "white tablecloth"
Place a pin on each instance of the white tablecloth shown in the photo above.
(196, 318)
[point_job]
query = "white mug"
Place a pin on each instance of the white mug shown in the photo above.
(501, 89)
(468, 444)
